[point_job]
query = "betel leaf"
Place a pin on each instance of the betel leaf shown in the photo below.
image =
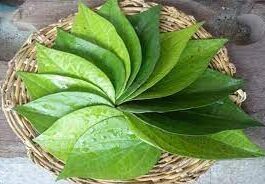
(60, 138)
(104, 59)
(39, 85)
(43, 112)
(52, 61)
(109, 150)
(224, 145)
(112, 12)
(210, 87)
(146, 25)
(92, 27)
(224, 115)
(193, 62)
(81, 88)
(172, 45)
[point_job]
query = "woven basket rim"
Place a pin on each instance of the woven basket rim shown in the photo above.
(170, 168)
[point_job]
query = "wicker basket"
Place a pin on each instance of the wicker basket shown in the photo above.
(170, 168)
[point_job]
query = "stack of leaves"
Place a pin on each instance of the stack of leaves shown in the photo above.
(114, 93)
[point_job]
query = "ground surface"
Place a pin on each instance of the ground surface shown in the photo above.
(240, 20)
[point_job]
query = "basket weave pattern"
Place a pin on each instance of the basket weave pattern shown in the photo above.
(170, 168)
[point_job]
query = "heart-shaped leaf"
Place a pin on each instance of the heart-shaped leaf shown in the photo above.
(60, 138)
(43, 112)
(210, 87)
(109, 150)
(223, 145)
(92, 27)
(83, 88)
(224, 115)
(172, 45)
(193, 62)
(104, 59)
(51, 61)
(111, 11)
(146, 25)
(39, 85)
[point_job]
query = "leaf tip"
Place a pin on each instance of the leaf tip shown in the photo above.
(262, 150)
(240, 81)
(81, 6)
(23, 75)
(37, 140)
(199, 24)
(111, 2)
(17, 109)
(39, 49)
(64, 174)
(39, 45)
(158, 8)
(257, 123)
(224, 40)
(155, 9)
(59, 30)
(20, 74)
(60, 177)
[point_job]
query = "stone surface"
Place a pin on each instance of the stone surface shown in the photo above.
(251, 171)
(10, 145)
(12, 36)
(22, 171)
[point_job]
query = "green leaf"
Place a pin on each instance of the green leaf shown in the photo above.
(210, 87)
(109, 150)
(111, 11)
(172, 45)
(226, 109)
(60, 138)
(43, 112)
(92, 27)
(39, 85)
(51, 61)
(104, 59)
(146, 25)
(193, 62)
(224, 145)
(211, 119)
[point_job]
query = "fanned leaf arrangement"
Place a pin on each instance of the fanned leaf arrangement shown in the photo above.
(114, 92)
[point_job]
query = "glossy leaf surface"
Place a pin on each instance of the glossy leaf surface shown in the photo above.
(210, 87)
(172, 45)
(60, 138)
(111, 11)
(39, 85)
(223, 145)
(43, 112)
(193, 62)
(146, 25)
(110, 66)
(109, 150)
(51, 61)
(94, 28)
(104, 59)
(224, 115)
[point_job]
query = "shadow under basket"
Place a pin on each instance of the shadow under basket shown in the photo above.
(170, 168)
